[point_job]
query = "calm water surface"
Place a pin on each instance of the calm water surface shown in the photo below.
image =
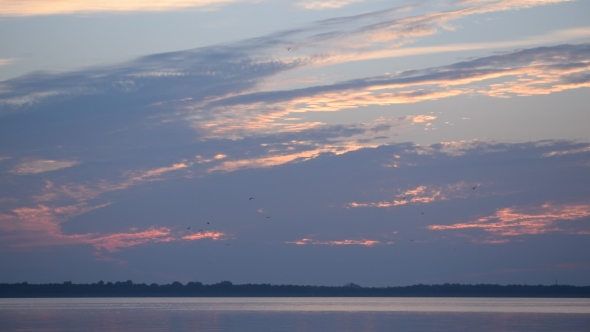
(294, 314)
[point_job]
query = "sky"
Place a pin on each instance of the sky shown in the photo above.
(308, 142)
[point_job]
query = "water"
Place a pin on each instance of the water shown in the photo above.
(294, 314)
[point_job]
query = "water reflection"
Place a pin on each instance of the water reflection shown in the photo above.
(294, 314)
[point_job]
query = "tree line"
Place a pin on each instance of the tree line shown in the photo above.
(228, 289)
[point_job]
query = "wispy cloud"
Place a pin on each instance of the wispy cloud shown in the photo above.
(6, 61)
(42, 165)
(524, 220)
(420, 195)
(41, 226)
(326, 4)
(205, 235)
(114, 242)
(363, 242)
(542, 70)
(53, 7)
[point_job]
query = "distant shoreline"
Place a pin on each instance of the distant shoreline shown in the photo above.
(227, 289)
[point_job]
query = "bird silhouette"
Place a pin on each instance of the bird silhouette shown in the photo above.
(288, 48)
(251, 198)
(411, 240)
(267, 217)
(207, 223)
(188, 228)
(474, 187)
(422, 212)
(404, 197)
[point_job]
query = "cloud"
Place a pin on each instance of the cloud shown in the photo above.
(41, 226)
(524, 220)
(53, 7)
(537, 71)
(42, 165)
(245, 65)
(423, 118)
(7, 61)
(363, 242)
(572, 151)
(114, 242)
(80, 193)
(313, 142)
(205, 235)
(358, 55)
(327, 4)
(420, 195)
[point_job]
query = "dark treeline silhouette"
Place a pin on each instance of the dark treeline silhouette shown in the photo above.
(226, 288)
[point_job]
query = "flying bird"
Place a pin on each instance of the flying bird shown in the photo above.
(404, 197)
(188, 228)
(267, 217)
(251, 198)
(207, 223)
(473, 187)
(288, 48)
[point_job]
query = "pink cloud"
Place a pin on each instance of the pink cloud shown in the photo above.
(526, 220)
(363, 242)
(114, 242)
(53, 7)
(419, 195)
(41, 166)
(205, 235)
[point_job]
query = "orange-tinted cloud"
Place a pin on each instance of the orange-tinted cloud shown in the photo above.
(363, 242)
(40, 226)
(522, 73)
(325, 4)
(353, 55)
(564, 152)
(275, 160)
(521, 221)
(419, 195)
(52, 7)
(114, 242)
(85, 192)
(205, 235)
(42, 165)
(6, 61)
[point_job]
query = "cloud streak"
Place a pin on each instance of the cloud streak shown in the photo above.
(42, 165)
(536, 71)
(326, 4)
(54, 7)
(420, 195)
(363, 242)
(524, 220)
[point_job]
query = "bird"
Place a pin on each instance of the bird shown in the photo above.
(404, 197)
(473, 187)
(251, 198)
(267, 217)
(207, 223)
(411, 240)
(288, 48)
(188, 228)
(422, 212)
